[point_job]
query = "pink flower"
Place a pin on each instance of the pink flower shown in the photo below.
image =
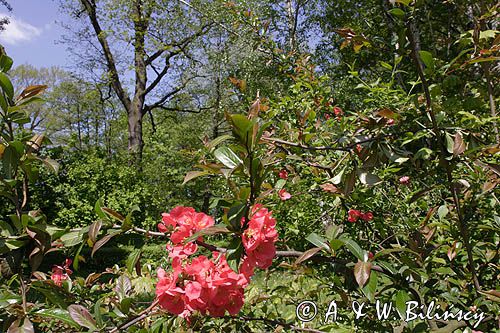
(390, 122)
(283, 174)
(210, 285)
(61, 273)
(284, 195)
(405, 180)
(183, 222)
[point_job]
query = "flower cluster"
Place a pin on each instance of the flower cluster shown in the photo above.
(61, 273)
(211, 286)
(355, 214)
(259, 238)
(183, 222)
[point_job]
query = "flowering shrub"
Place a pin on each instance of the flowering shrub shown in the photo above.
(211, 286)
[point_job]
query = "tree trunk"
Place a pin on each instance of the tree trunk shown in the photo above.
(135, 142)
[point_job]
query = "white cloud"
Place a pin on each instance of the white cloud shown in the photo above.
(18, 31)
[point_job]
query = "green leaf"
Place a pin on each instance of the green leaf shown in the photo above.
(442, 211)
(127, 223)
(427, 59)
(369, 178)
(54, 295)
(133, 259)
(76, 261)
(82, 316)
(218, 140)
(6, 85)
(384, 252)
(227, 157)
(72, 238)
(355, 248)
(401, 298)
(424, 153)
(234, 253)
(397, 12)
(371, 287)
(98, 209)
(194, 174)
(5, 63)
(386, 65)
(10, 161)
(318, 241)
(241, 126)
(58, 314)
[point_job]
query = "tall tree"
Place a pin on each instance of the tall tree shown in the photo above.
(152, 38)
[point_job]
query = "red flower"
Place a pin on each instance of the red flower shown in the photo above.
(338, 111)
(368, 216)
(327, 116)
(283, 174)
(284, 195)
(354, 215)
(61, 273)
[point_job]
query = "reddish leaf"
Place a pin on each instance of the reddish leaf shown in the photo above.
(329, 187)
(387, 113)
(32, 91)
(458, 144)
(113, 214)
(362, 272)
(94, 230)
(104, 240)
(308, 254)
(82, 316)
(452, 251)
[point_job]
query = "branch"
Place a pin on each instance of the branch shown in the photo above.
(413, 38)
(181, 45)
(160, 103)
(143, 315)
(177, 109)
(206, 16)
(345, 148)
(90, 8)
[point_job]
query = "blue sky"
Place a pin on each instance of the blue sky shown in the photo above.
(33, 32)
